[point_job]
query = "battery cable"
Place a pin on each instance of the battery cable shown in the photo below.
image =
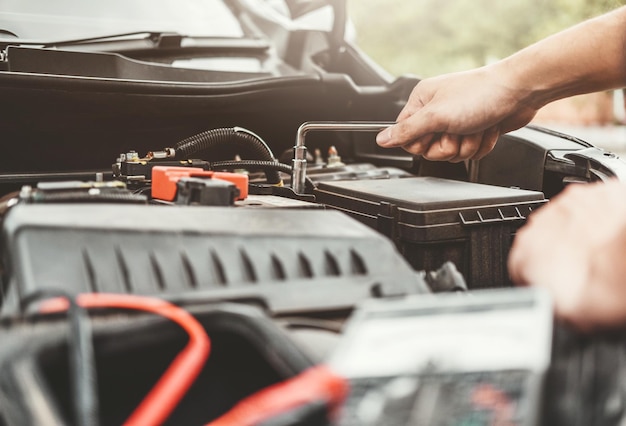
(182, 372)
(315, 384)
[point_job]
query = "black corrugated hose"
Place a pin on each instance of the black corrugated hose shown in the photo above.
(248, 143)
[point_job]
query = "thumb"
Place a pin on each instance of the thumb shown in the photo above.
(418, 125)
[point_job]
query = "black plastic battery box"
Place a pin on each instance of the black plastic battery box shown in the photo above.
(433, 220)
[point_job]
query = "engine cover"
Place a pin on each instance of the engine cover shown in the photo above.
(289, 260)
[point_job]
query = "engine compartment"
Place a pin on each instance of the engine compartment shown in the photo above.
(220, 222)
(124, 174)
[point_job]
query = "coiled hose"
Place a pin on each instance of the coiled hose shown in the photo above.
(247, 144)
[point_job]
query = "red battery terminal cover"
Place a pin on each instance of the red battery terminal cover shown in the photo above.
(164, 179)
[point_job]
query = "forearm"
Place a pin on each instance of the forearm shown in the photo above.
(586, 58)
(459, 116)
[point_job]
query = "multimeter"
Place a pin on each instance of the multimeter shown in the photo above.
(466, 359)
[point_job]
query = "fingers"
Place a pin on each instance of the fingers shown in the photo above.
(421, 133)
(469, 146)
(435, 147)
(444, 148)
(453, 148)
(414, 128)
(413, 104)
(489, 139)
(408, 111)
(421, 145)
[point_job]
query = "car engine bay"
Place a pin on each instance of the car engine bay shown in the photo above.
(185, 244)
(214, 225)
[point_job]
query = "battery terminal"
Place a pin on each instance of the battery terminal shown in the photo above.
(334, 159)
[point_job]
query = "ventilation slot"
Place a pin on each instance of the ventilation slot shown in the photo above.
(189, 272)
(304, 267)
(278, 271)
(91, 274)
(121, 263)
(156, 270)
(357, 265)
(249, 275)
(331, 267)
(220, 273)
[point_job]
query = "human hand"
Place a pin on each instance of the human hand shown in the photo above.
(459, 116)
(575, 247)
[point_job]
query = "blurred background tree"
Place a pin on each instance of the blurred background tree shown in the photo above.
(430, 37)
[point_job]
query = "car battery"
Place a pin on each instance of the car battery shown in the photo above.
(433, 220)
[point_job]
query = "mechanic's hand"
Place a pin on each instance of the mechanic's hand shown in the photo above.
(575, 247)
(459, 116)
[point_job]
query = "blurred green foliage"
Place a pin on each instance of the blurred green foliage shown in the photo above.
(430, 37)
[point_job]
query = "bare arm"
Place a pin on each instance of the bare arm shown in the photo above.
(460, 116)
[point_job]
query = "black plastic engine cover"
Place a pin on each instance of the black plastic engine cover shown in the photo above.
(291, 261)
